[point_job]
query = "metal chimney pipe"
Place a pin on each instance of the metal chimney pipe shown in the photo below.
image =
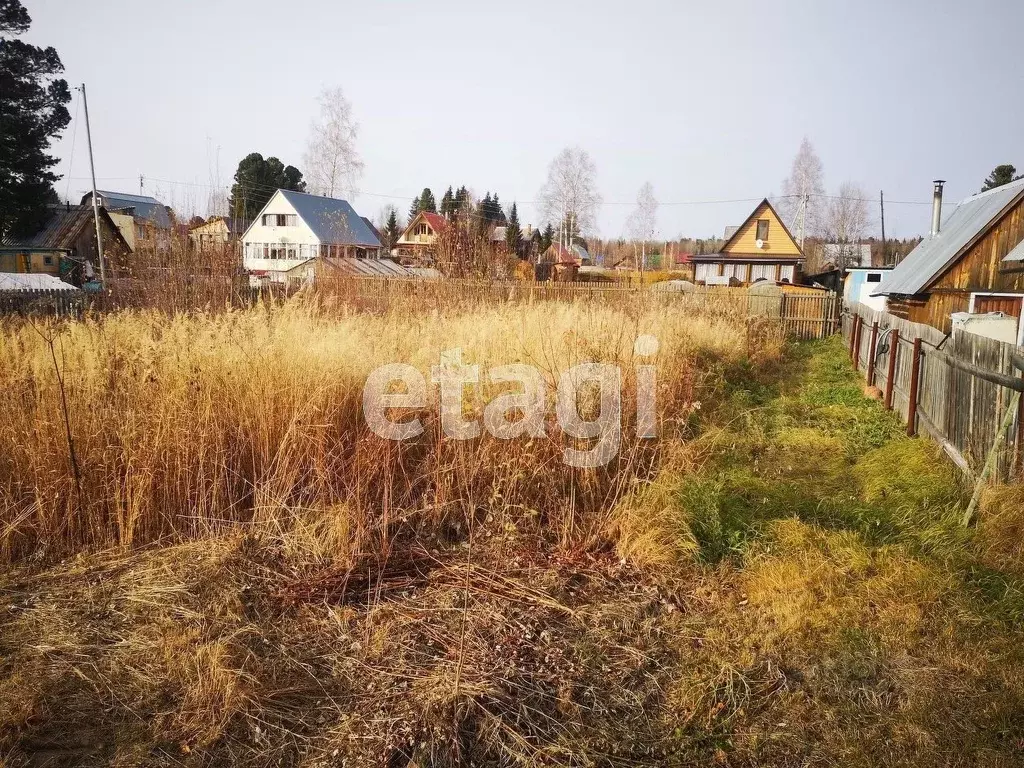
(937, 206)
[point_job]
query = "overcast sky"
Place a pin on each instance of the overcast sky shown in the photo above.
(706, 100)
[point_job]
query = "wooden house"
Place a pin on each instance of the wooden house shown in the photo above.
(217, 232)
(294, 227)
(761, 248)
(418, 239)
(973, 262)
(66, 246)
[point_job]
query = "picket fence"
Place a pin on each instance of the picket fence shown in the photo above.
(956, 388)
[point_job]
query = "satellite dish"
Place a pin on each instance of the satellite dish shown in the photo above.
(759, 243)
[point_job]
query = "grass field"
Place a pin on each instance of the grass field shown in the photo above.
(238, 573)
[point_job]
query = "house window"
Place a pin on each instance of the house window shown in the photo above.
(874, 277)
(786, 273)
(762, 229)
(423, 229)
(48, 261)
(762, 272)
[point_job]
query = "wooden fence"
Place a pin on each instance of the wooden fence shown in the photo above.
(804, 315)
(956, 388)
(64, 304)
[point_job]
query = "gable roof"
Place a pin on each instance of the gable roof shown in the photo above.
(753, 213)
(971, 219)
(373, 229)
(331, 220)
(148, 208)
(64, 227)
(436, 221)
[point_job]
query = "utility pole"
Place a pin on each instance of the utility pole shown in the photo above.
(95, 203)
(885, 251)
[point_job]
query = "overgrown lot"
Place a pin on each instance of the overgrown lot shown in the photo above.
(241, 580)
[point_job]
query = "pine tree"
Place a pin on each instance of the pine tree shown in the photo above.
(391, 230)
(1001, 174)
(32, 114)
(448, 204)
(513, 233)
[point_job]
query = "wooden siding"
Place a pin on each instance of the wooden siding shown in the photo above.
(979, 270)
(779, 243)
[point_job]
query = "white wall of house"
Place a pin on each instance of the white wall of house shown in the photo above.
(292, 244)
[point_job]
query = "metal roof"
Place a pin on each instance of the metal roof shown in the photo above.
(1017, 254)
(332, 221)
(10, 281)
(62, 229)
(970, 219)
(148, 208)
(361, 267)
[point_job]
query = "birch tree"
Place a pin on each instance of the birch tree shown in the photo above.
(569, 197)
(333, 166)
(802, 193)
(643, 222)
(847, 217)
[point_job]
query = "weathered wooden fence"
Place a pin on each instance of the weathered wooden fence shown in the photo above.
(804, 315)
(43, 303)
(956, 388)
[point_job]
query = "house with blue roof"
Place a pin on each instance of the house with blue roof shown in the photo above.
(294, 227)
(142, 220)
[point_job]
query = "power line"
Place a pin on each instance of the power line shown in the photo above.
(253, 187)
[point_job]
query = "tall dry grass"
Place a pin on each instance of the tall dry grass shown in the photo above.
(138, 427)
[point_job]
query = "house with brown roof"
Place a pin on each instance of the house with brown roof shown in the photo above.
(761, 248)
(419, 239)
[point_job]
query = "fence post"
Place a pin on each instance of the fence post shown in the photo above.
(915, 375)
(894, 350)
(871, 353)
(855, 343)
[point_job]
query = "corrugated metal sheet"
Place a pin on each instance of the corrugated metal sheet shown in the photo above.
(1017, 254)
(31, 282)
(332, 221)
(60, 231)
(971, 218)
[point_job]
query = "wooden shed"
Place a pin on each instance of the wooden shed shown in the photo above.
(973, 263)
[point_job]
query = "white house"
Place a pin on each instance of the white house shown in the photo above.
(294, 227)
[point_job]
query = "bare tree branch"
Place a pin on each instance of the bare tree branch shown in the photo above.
(332, 164)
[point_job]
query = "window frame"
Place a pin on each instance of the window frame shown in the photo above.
(757, 230)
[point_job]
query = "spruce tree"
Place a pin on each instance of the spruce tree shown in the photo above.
(448, 204)
(547, 238)
(427, 202)
(513, 233)
(391, 230)
(415, 207)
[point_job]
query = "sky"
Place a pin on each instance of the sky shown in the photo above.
(708, 101)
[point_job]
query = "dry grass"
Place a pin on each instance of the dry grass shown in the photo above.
(249, 578)
(186, 426)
